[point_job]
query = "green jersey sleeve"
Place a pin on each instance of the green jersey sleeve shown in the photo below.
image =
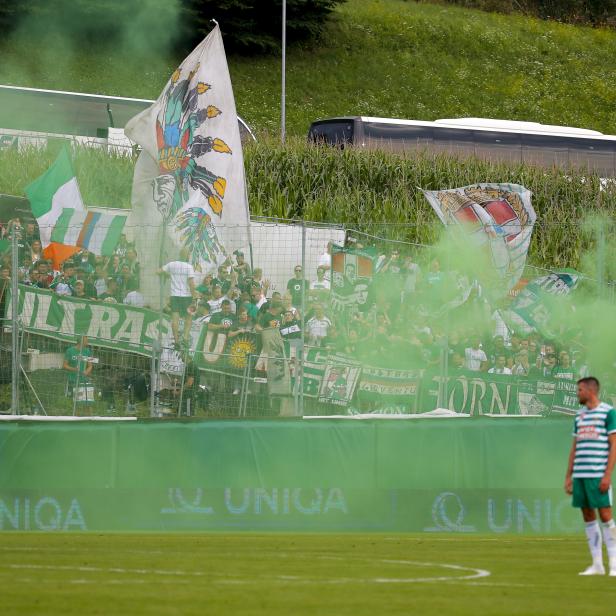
(610, 421)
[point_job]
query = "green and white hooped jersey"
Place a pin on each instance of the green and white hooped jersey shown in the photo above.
(591, 430)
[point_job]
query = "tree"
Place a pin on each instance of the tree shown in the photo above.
(248, 25)
(256, 25)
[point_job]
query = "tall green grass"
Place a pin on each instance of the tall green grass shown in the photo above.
(390, 58)
(375, 192)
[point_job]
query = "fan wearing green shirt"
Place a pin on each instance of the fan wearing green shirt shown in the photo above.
(297, 285)
(224, 320)
(589, 472)
(76, 362)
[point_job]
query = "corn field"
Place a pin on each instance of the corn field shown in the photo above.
(375, 192)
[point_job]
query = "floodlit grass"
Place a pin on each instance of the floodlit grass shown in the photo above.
(390, 58)
(281, 574)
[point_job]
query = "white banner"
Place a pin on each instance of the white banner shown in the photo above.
(190, 174)
(500, 216)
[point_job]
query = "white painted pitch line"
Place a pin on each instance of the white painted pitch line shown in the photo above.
(505, 584)
(473, 573)
(101, 569)
(19, 548)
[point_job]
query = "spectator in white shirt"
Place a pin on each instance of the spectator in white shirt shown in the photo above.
(257, 297)
(216, 301)
(475, 358)
(318, 326)
(521, 366)
(203, 313)
(325, 260)
(500, 366)
(321, 283)
(183, 290)
(134, 297)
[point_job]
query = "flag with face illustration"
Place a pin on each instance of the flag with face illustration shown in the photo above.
(497, 216)
(351, 274)
(189, 178)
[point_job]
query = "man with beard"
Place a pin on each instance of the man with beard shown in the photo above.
(589, 472)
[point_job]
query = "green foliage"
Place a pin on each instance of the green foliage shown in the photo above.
(596, 12)
(248, 25)
(256, 25)
(389, 58)
(104, 179)
(373, 192)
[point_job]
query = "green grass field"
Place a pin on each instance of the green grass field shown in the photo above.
(391, 58)
(281, 574)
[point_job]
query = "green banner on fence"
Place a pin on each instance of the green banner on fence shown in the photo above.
(422, 475)
(111, 325)
(330, 378)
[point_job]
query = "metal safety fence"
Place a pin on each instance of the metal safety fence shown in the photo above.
(301, 319)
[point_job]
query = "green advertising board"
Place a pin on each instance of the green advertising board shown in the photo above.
(459, 475)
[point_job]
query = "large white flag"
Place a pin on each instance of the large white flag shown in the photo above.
(190, 174)
(497, 216)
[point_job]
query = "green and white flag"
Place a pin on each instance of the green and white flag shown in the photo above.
(99, 233)
(53, 191)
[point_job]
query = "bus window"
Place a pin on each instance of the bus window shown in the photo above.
(396, 137)
(332, 132)
(596, 155)
(498, 146)
(454, 141)
(545, 151)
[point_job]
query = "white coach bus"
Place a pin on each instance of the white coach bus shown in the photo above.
(500, 140)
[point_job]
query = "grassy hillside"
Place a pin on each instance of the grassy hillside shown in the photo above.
(370, 191)
(379, 57)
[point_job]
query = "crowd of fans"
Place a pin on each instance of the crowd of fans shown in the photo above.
(84, 275)
(394, 321)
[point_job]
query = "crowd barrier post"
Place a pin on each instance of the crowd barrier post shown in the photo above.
(299, 378)
(244, 390)
(158, 343)
(15, 350)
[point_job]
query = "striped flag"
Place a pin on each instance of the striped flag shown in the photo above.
(99, 233)
(53, 191)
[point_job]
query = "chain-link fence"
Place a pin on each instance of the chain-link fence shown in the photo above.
(305, 320)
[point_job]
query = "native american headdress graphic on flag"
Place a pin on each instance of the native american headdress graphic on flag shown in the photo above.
(189, 178)
(498, 216)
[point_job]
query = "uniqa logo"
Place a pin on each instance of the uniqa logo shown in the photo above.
(448, 514)
(46, 514)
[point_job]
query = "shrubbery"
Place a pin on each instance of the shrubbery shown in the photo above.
(595, 12)
(248, 25)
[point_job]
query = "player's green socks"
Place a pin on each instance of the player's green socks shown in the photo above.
(593, 533)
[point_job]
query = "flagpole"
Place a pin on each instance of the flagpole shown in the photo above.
(15, 230)
(283, 102)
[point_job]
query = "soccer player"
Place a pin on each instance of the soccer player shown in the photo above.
(589, 472)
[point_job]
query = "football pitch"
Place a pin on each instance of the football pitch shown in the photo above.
(276, 574)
